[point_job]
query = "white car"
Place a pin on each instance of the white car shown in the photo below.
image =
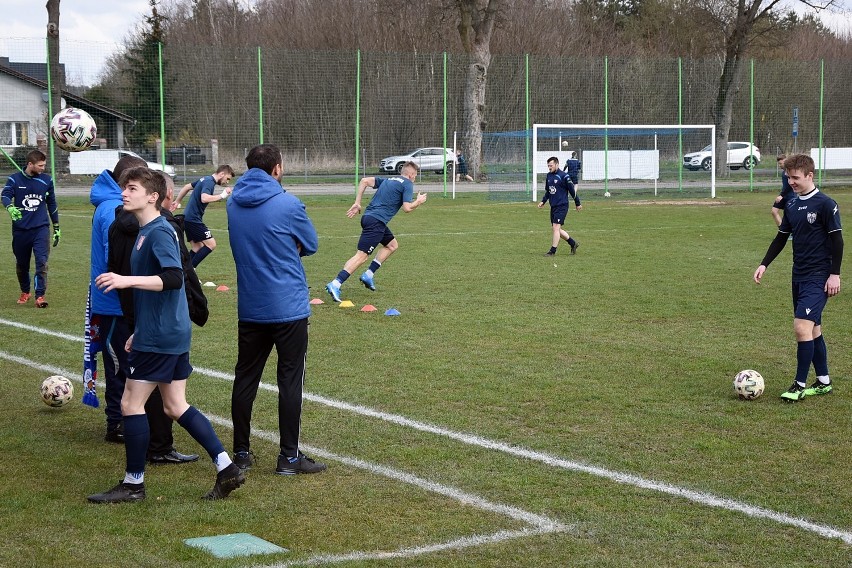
(740, 155)
(433, 159)
(156, 166)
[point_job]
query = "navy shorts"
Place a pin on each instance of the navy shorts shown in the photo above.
(373, 233)
(158, 367)
(558, 214)
(196, 232)
(809, 299)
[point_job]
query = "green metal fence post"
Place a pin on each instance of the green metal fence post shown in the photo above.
(260, 94)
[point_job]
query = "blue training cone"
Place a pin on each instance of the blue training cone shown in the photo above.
(392, 312)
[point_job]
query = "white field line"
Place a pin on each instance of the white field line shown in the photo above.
(700, 497)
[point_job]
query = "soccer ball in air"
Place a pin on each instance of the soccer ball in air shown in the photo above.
(748, 384)
(57, 391)
(564, 143)
(73, 129)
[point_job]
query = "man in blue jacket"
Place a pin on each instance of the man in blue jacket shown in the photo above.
(270, 231)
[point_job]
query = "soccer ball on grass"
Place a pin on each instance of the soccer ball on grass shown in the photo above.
(748, 384)
(57, 391)
(73, 129)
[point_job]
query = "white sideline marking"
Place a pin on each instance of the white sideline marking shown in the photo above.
(700, 497)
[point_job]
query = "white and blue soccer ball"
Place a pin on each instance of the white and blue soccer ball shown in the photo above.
(56, 391)
(73, 129)
(748, 384)
(606, 194)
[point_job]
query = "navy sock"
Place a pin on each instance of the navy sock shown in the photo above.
(200, 255)
(375, 265)
(804, 357)
(342, 276)
(571, 241)
(137, 434)
(202, 431)
(820, 357)
(552, 250)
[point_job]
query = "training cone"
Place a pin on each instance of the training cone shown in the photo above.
(209, 284)
(316, 302)
(392, 312)
(222, 288)
(369, 308)
(347, 304)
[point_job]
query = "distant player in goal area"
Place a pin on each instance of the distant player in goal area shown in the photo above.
(626, 158)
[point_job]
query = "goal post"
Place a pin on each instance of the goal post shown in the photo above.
(630, 158)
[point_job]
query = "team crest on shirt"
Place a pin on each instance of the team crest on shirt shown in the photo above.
(31, 202)
(811, 217)
(139, 242)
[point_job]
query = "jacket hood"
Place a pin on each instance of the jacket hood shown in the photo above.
(104, 188)
(254, 188)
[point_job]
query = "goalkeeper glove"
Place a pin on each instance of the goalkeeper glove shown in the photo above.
(14, 213)
(56, 235)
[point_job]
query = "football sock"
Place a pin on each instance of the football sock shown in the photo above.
(375, 265)
(804, 357)
(222, 461)
(552, 250)
(202, 432)
(134, 478)
(571, 241)
(200, 255)
(137, 434)
(826, 380)
(341, 278)
(820, 357)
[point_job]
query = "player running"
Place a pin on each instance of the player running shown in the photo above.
(199, 235)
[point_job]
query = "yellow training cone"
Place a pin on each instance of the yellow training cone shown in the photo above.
(347, 304)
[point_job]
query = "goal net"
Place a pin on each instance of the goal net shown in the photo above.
(615, 160)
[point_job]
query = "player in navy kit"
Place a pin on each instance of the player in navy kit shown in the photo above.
(813, 219)
(199, 235)
(557, 189)
(159, 346)
(573, 167)
(786, 192)
(392, 194)
(29, 198)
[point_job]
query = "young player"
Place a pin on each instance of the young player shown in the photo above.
(199, 235)
(573, 167)
(159, 346)
(813, 219)
(29, 198)
(557, 189)
(786, 192)
(392, 194)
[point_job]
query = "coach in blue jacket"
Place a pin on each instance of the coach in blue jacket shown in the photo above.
(269, 232)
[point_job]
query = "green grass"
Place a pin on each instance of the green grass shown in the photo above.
(620, 357)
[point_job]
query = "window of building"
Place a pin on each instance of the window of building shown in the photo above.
(14, 133)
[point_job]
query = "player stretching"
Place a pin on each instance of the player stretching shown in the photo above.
(199, 235)
(392, 194)
(814, 221)
(557, 189)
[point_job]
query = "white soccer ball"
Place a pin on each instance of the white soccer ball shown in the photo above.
(748, 384)
(57, 391)
(606, 194)
(564, 143)
(73, 129)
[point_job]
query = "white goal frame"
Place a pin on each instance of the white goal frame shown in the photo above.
(538, 162)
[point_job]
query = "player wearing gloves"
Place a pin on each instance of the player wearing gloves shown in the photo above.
(202, 189)
(29, 198)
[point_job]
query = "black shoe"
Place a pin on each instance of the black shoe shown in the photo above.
(245, 460)
(121, 493)
(227, 480)
(173, 456)
(574, 247)
(303, 464)
(115, 434)
(550, 253)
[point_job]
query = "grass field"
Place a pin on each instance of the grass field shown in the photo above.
(522, 410)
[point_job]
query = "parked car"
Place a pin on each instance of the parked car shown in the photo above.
(740, 155)
(185, 155)
(433, 159)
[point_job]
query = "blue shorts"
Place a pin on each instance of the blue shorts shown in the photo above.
(158, 367)
(373, 233)
(196, 232)
(809, 299)
(558, 214)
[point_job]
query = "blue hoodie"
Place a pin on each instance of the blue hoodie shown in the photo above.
(266, 225)
(105, 196)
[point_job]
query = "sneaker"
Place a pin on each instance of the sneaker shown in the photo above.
(333, 290)
(41, 302)
(303, 464)
(574, 247)
(115, 434)
(368, 282)
(25, 297)
(245, 460)
(121, 493)
(818, 388)
(794, 394)
(227, 480)
(548, 253)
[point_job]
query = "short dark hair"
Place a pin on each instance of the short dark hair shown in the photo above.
(125, 163)
(410, 166)
(35, 156)
(553, 159)
(801, 162)
(153, 182)
(780, 157)
(264, 157)
(225, 168)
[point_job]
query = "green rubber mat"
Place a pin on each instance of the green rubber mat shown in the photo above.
(232, 545)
